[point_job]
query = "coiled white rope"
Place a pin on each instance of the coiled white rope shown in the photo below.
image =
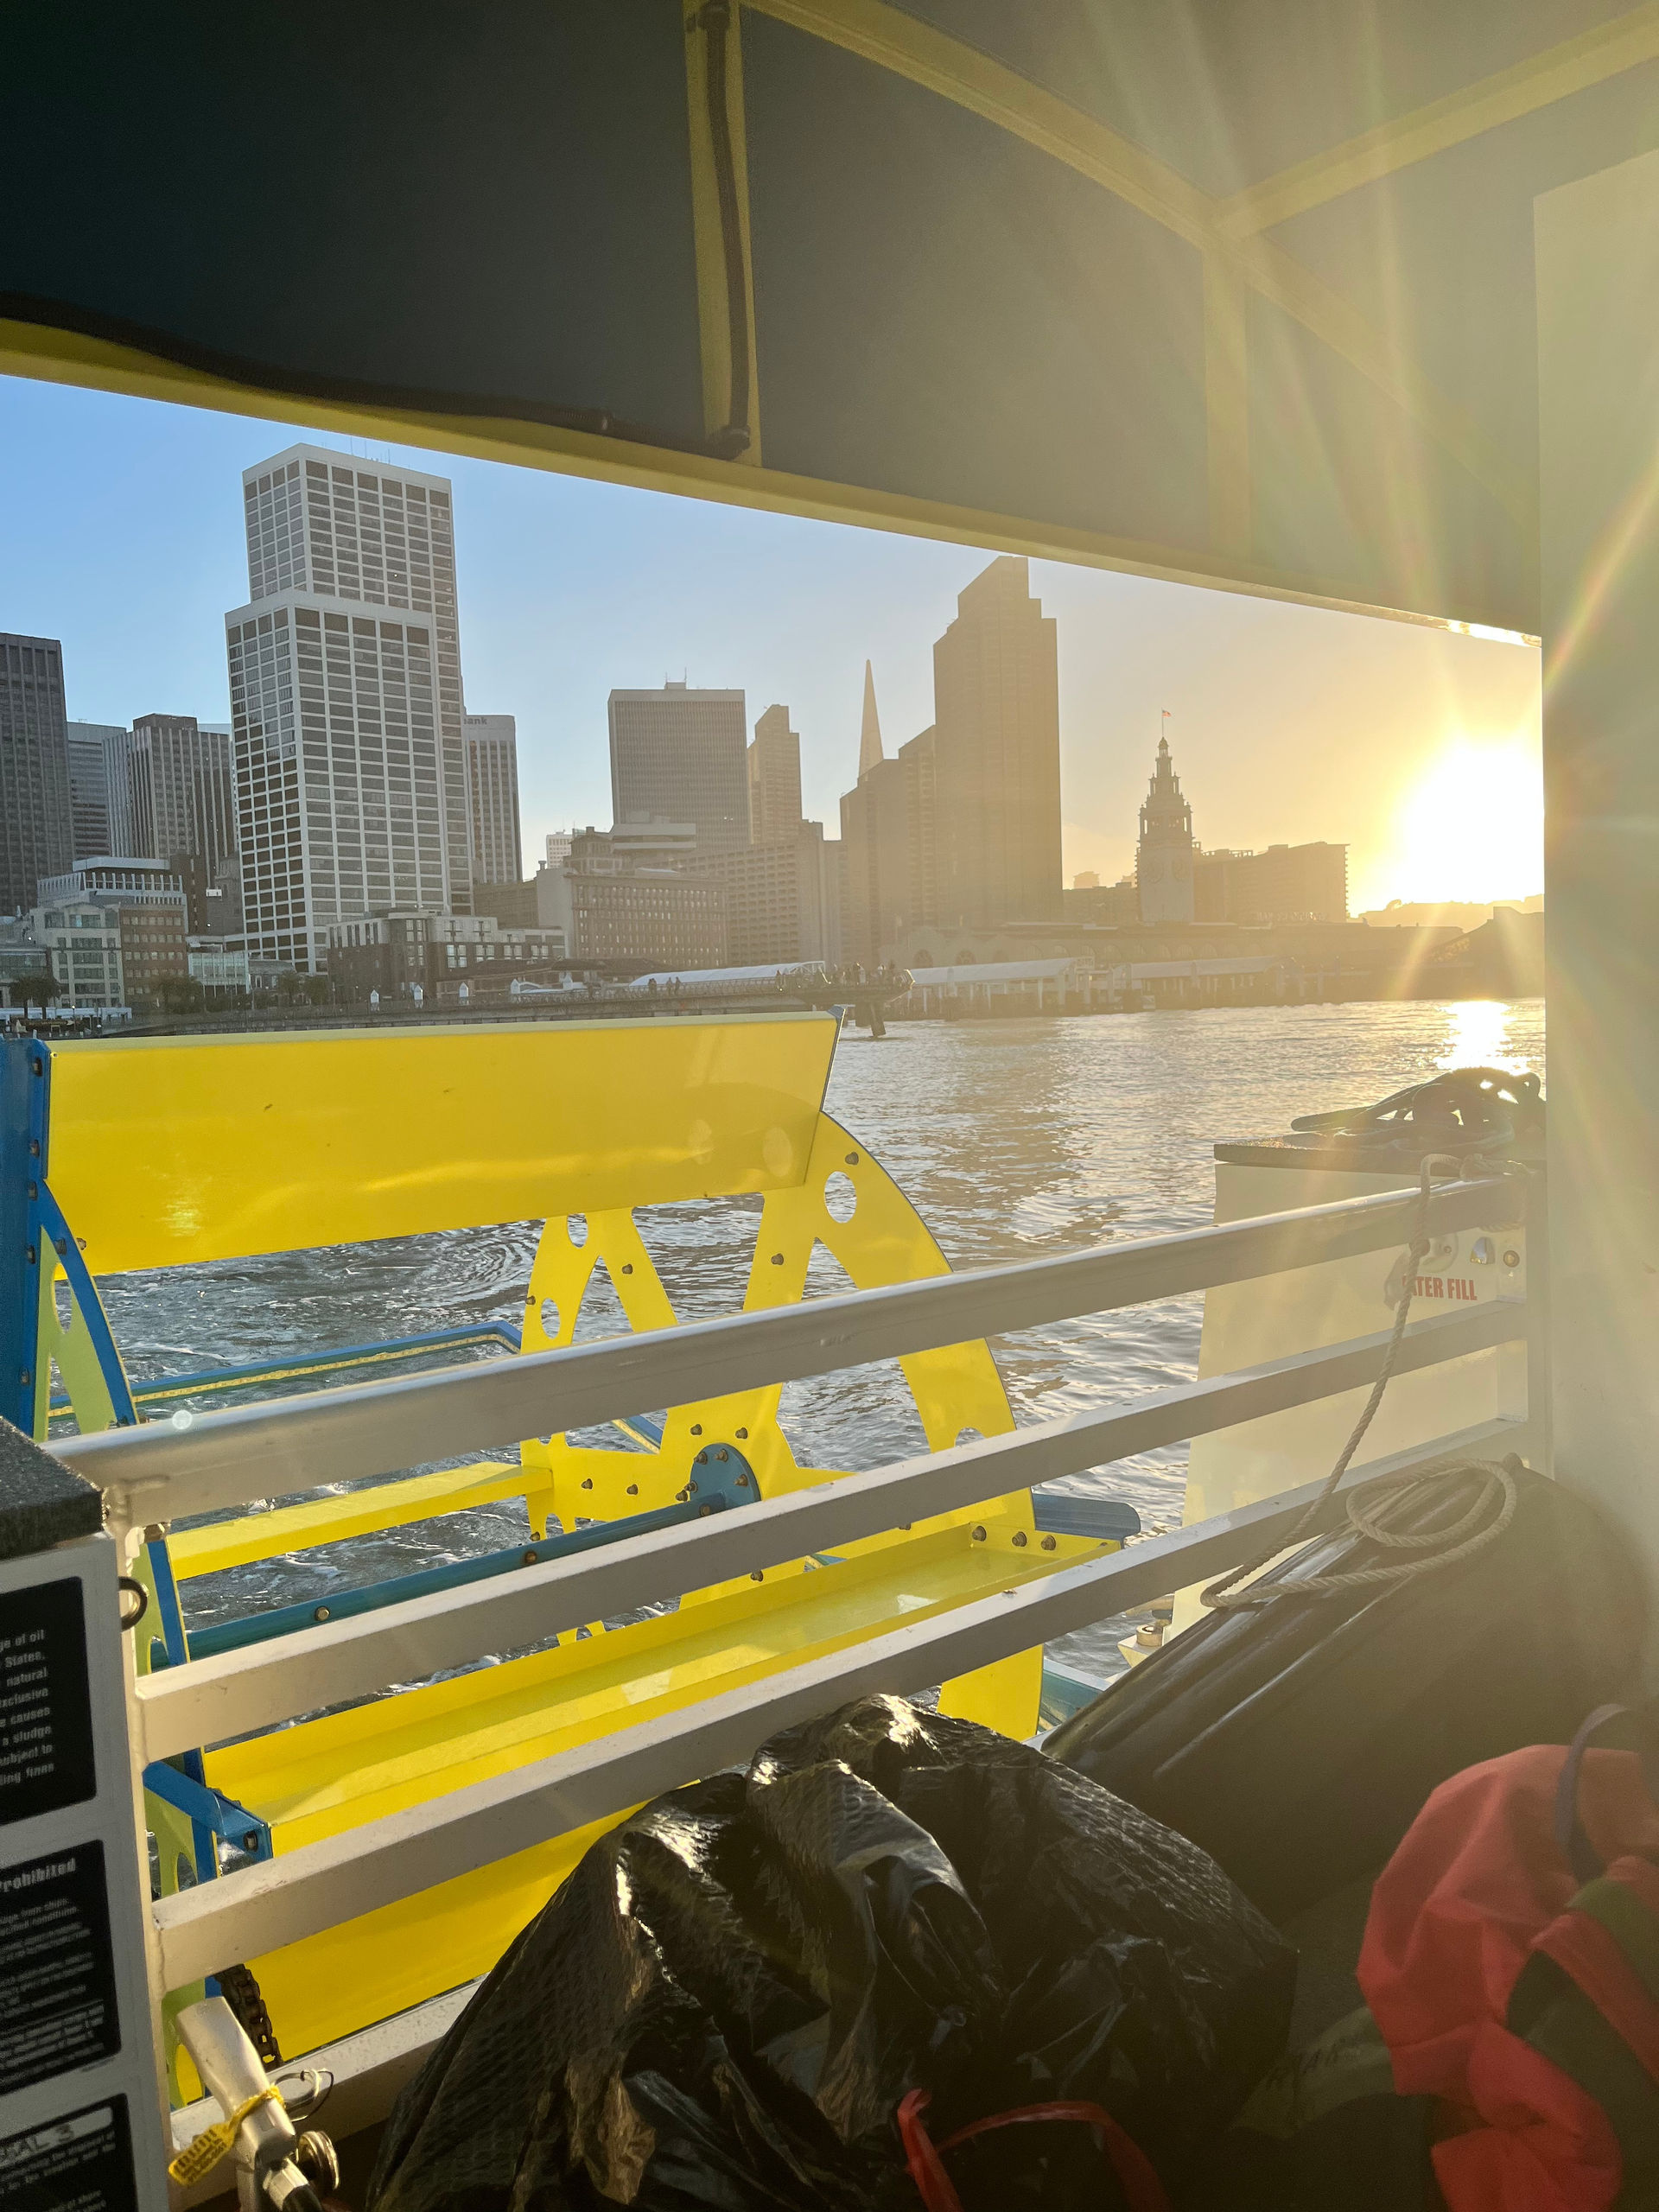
(1375, 1507)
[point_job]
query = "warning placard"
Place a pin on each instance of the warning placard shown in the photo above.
(46, 1719)
(57, 1974)
(80, 2164)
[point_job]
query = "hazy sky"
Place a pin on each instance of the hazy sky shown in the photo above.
(122, 536)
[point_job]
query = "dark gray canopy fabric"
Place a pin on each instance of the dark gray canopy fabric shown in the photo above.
(1234, 289)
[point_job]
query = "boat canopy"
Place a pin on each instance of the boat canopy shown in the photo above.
(1239, 295)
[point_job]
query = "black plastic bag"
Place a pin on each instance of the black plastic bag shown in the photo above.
(1297, 1742)
(725, 2004)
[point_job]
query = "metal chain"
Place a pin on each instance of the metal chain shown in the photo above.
(1373, 1505)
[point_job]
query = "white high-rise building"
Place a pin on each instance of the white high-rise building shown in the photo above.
(492, 794)
(346, 701)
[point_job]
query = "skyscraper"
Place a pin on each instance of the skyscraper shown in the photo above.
(183, 785)
(1163, 859)
(492, 793)
(869, 730)
(997, 720)
(348, 724)
(36, 824)
(89, 787)
(774, 779)
(681, 755)
(877, 899)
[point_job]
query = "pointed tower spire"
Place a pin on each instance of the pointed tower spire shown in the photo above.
(869, 736)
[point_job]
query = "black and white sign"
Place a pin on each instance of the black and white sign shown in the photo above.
(82, 2125)
(57, 1975)
(46, 1721)
(82, 2163)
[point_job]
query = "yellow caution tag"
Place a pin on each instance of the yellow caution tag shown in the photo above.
(197, 2160)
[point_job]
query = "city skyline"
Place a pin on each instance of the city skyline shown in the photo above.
(574, 589)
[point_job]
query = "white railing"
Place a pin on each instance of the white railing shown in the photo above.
(160, 1472)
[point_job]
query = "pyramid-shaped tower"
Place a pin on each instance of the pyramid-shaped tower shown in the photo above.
(870, 754)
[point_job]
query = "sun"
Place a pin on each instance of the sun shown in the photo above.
(1471, 827)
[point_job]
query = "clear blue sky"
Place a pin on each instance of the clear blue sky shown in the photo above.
(122, 537)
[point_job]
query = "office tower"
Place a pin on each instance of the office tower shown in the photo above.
(774, 779)
(182, 786)
(338, 742)
(1163, 859)
(347, 703)
(493, 792)
(36, 824)
(1286, 883)
(341, 534)
(681, 755)
(89, 787)
(997, 720)
(558, 846)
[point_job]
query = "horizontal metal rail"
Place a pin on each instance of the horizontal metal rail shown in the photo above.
(236, 1692)
(283, 1900)
(209, 1382)
(164, 1472)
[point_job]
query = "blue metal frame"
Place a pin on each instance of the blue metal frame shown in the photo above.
(53, 1228)
(211, 1814)
(25, 1085)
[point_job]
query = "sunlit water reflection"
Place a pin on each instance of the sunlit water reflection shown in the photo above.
(1015, 1140)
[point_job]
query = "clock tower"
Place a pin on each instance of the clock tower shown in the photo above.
(1163, 860)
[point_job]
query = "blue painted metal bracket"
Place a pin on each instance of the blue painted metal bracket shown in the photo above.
(209, 1810)
(1064, 1513)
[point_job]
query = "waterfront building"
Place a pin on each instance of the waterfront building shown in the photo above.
(1163, 865)
(219, 963)
(347, 703)
(89, 788)
(1116, 904)
(1286, 883)
(996, 803)
(77, 943)
(682, 755)
(633, 917)
(36, 820)
(782, 902)
(774, 779)
(492, 794)
(392, 953)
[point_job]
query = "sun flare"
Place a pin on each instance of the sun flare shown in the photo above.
(1471, 827)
